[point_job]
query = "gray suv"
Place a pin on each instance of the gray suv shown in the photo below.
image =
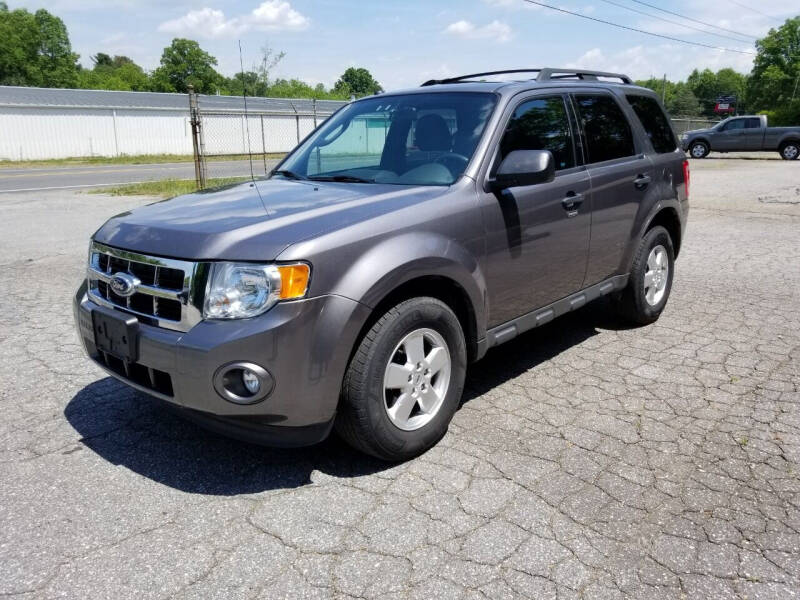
(406, 236)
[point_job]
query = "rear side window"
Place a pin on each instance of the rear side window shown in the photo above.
(655, 123)
(753, 123)
(607, 131)
(541, 124)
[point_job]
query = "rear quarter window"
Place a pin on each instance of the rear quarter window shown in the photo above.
(606, 129)
(655, 123)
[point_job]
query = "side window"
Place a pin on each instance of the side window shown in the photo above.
(655, 123)
(606, 129)
(754, 123)
(541, 124)
(734, 125)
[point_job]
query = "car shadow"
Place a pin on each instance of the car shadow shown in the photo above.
(717, 156)
(129, 429)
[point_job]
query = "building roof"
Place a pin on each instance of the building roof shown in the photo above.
(63, 98)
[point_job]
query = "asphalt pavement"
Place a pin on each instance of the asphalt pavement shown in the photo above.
(589, 460)
(86, 176)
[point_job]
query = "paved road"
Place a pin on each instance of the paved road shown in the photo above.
(75, 177)
(589, 460)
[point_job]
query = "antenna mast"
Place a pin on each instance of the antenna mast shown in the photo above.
(246, 116)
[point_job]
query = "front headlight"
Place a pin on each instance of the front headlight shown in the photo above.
(242, 290)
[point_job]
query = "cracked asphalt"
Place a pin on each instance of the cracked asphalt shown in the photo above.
(589, 460)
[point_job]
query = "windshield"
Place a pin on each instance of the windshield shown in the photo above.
(413, 139)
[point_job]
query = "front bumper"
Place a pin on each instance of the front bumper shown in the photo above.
(305, 345)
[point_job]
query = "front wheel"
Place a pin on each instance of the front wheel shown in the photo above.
(404, 382)
(650, 282)
(790, 151)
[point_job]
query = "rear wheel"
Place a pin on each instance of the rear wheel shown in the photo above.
(404, 382)
(790, 151)
(650, 282)
(699, 150)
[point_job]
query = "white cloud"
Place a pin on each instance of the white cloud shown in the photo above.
(275, 14)
(676, 60)
(495, 30)
(271, 15)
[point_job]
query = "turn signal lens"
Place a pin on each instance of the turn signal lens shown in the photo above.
(294, 280)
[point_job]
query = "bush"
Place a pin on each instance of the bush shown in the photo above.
(785, 116)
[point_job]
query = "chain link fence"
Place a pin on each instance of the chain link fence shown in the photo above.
(234, 144)
(684, 124)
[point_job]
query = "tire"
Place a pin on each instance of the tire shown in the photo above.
(370, 416)
(639, 302)
(699, 150)
(790, 151)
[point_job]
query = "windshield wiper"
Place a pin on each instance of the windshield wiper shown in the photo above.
(343, 178)
(288, 174)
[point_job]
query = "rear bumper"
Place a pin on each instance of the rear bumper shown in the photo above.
(304, 345)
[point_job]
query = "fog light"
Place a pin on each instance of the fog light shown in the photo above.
(243, 382)
(250, 381)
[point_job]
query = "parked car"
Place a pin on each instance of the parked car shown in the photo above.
(406, 236)
(743, 134)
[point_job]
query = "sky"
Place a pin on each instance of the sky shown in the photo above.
(406, 42)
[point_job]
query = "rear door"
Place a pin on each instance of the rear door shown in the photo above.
(753, 134)
(620, 174)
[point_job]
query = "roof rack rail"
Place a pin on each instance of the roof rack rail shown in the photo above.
(548, 74)
(543, 74)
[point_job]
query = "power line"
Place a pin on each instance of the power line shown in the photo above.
(658, 35)
(669, 12)
(652, 16)
(758, 12)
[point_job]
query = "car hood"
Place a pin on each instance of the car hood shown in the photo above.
(254, 220)
(694, 132)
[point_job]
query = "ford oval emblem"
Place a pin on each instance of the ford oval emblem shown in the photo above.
(123, 284)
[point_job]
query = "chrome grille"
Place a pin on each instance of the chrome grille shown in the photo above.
(168, 292)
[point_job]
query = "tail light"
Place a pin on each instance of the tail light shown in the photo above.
(686, 176)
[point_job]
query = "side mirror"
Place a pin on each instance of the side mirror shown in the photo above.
(524, 167)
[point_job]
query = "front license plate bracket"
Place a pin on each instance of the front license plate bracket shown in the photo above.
(116, 334)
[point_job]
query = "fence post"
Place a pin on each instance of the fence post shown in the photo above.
(116, 139)
(263, 145)
(197, 143)
(296, 120)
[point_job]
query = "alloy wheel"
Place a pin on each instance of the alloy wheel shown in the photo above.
(656, 276)
(416, 379)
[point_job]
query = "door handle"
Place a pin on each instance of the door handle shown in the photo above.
(571, 203)
(642, 181)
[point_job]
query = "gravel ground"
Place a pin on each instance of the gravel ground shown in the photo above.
(589, 460)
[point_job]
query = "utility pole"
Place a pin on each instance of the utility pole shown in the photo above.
(796, 81)
(664, 91)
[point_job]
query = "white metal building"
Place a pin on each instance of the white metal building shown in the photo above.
(42, 123)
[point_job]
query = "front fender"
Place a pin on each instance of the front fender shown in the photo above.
(410, 255)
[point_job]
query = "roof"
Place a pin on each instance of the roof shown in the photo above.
(64, 98)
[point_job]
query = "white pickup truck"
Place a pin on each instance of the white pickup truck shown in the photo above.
(743, 134)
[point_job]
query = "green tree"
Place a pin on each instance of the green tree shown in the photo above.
(357, 81)
(776, 69)
(708, 86)
(184, 63)
(685, 103)
(35, 50)
(118, 73)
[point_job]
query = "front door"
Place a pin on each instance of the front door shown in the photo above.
(732, 136)
(537, 236)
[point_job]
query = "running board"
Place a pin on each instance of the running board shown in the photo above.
(508, 331)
